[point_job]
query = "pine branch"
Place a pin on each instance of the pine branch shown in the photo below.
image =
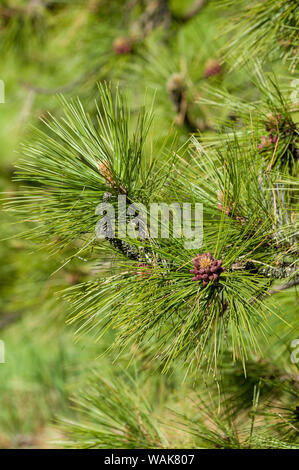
(7, 319)
(156, 13)
(280, 272)
(288, 285)
(178, 96)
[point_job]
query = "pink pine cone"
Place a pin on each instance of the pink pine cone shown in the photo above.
(122, 46)
(206, 268)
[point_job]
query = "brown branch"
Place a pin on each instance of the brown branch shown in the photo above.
(279, 272)
(156, 13)
(288, 285)
(177, 92)
(9, 318)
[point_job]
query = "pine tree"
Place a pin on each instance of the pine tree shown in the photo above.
(190, 102)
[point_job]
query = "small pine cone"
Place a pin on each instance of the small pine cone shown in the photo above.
(122, 46)
(106, 172)
(273, 119)
(73, 278)
(206, 268)
(145, 270)
(212, 67)
(273, 138)
(274, 123)
(265, 142)
(228, 209)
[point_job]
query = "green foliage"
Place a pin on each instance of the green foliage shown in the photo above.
(164, 72)
(114, 415)
(264, 29)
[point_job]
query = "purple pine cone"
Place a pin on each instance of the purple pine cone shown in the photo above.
(206, 268)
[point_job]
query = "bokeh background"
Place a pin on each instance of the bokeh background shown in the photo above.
(51, 47)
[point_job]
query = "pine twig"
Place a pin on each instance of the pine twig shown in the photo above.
(155, 14)
(288, 285)
(280, 272)
(178, 95)
(7, 319)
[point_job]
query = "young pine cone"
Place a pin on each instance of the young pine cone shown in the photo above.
(212, 67)
(206, 268)
(106, 172)
(144, 270)
(122, 46)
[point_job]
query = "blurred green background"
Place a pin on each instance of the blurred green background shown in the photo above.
(51, 47)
